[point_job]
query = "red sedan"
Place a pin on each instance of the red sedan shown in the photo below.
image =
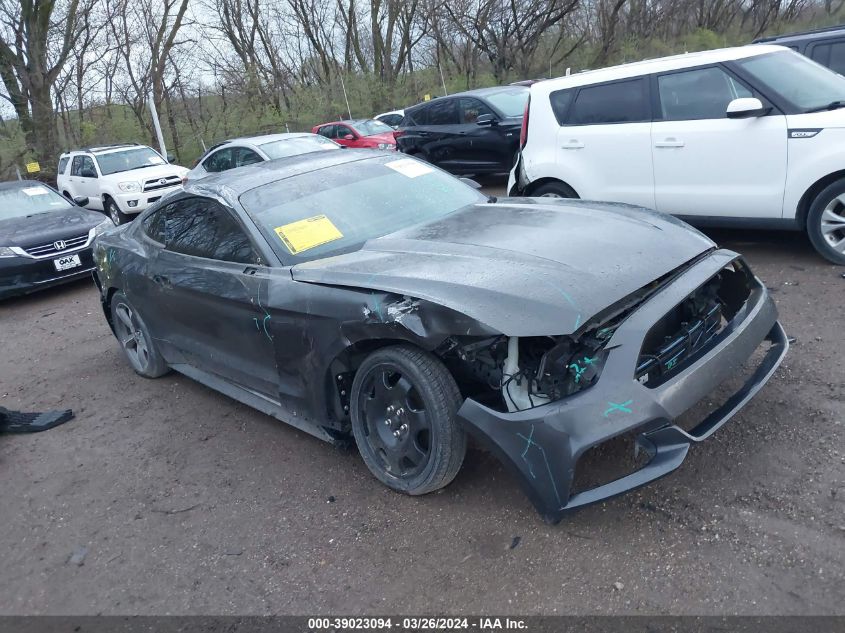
(367, 133)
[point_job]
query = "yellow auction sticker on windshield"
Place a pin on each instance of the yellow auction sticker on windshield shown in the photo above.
(308, 233)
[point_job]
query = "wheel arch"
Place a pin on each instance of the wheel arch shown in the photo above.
(536, 184)
(807, 198)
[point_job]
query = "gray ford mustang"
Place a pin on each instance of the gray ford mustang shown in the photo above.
(372, 295)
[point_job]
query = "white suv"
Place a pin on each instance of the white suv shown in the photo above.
(121, 180)
(747, 137)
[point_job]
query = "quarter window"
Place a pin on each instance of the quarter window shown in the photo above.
(561, 101)
(62, 165)
(153, 226)
(703, 93)
(619, 102)
(203, 228)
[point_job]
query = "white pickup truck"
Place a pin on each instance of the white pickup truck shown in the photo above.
(121, 180)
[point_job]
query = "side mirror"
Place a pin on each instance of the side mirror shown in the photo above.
(170, 158)
(472, 183)
(348, 137)
(486, 119)
(81, 201)
(745, 108)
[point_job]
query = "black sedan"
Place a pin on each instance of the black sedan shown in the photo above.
(363, 294)
(473, 132)
(45, 239)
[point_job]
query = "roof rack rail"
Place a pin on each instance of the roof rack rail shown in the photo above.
(774, 38)
(97, 148)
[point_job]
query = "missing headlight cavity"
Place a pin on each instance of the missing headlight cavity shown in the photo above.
(518, 373)
(692, 327)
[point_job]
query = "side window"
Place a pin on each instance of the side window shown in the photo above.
(245, 156)
(443, 112)
(153, 225)
(703, 93)
(619, 102)
(830, 54)
(221, 160)
(62, 165)
(203, 228)
(87, 170)
(470, 109)
(561, 100)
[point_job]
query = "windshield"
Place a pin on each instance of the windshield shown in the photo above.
(297, 145)
(509, 102)
(368, 128)
(802, 82)
(30, 200)
(336, 209)
(127, 160)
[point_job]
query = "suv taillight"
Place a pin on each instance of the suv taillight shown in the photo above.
(523, 133)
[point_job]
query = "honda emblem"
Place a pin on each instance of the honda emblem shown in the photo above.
(60, 245)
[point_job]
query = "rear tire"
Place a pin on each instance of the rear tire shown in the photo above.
(403, 406)
(554, 190)
(135, 340)
(117, 216)
(826, 223)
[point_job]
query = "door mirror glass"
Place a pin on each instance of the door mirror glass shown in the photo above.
(486, 119)
(170, 158)
(745, 108)
(348, 137)
(80, 201)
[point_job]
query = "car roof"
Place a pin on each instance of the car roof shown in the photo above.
(649, 66)
(230, 184)
(477, 92)
(104, 149)
(803, 35)
(265, 138)
(23, 184)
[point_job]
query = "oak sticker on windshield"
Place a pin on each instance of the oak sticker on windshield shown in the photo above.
(409, 167)
(308, 233)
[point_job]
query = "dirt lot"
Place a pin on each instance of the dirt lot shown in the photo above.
(175, 499)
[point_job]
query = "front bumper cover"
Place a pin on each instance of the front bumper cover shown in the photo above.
(542, 445)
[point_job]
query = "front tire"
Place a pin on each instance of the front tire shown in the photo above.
(135, 340)
(554, 190)
(117, 216)
(826, 223)
(403, 406)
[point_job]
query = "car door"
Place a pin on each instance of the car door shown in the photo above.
(706, 164)
(489, 147)
(346, 136)
(85, 181)
(438, 135)
(211, 295)
(604, 145)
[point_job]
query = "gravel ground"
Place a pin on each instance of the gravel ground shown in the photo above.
(162, 496)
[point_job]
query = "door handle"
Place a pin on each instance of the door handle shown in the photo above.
(573, 143)
(669, 142)
(423, 133)
(250, 270)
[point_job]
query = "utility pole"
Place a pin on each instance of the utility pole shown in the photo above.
(157, 125)
(342, 85)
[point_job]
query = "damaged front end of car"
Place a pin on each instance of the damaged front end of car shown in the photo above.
(540, 404)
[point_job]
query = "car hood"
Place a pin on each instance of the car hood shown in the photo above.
(148, 173)
(522, 266)
(383, 137)
(44, 228)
